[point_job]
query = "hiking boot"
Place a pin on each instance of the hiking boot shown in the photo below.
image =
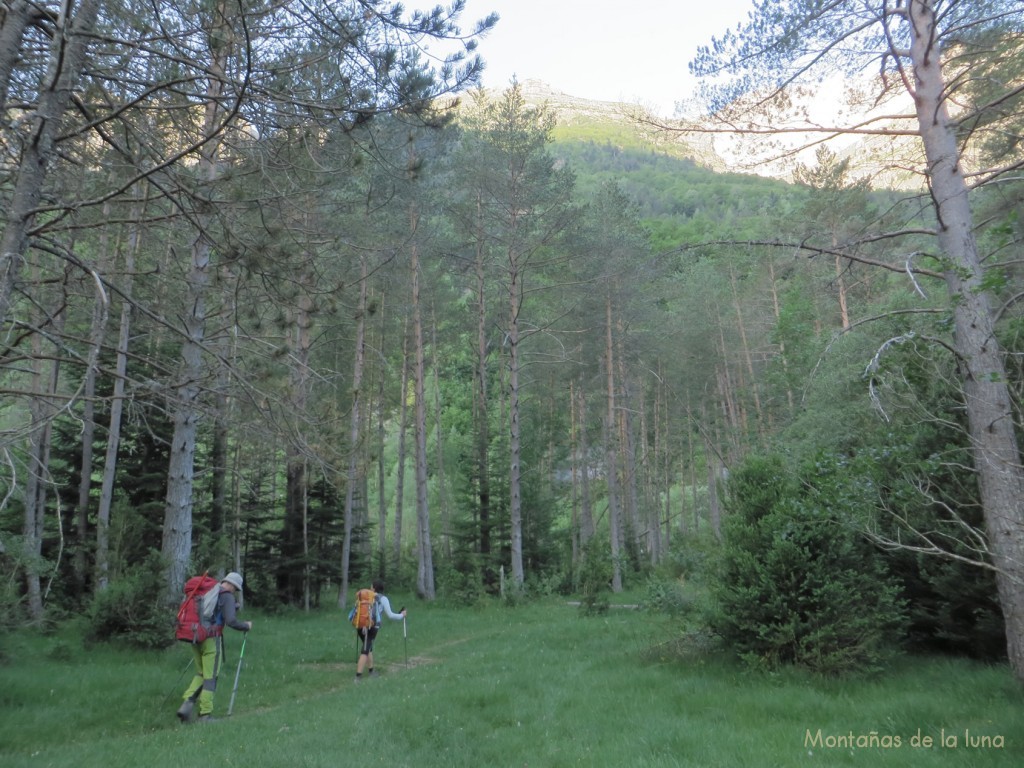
(185, 710)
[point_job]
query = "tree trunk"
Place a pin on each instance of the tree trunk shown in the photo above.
(69, 43)
(482, 413)
(102, 561)
(176, 547)
(44, 387)
(627, 441)
(425, 564)
(990, 412)
(18, 14)
(747, 358)
(306, 570)
(714, 512)
(610, 458)
(515, 471)
(382, 507)
(354, 428)
(587, 529)
(782, 344)
(97, 331)
(403, 421)
(442, 491)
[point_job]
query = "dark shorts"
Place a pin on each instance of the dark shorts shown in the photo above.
(366, 638)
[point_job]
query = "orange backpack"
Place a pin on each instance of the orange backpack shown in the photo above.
(364, 614)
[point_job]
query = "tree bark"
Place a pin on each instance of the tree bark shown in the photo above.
(354, 429)
(102, 559)
(97, 331)
(425, 564)
(382, 507)
(403, 421)
(515, 439)
(442, 490)
(18, 14)
(627, 443)
(587, 529)
(610, 456)
(990, 411)
(70, 41)
(44, 387)
(176, 547)
(482, 409)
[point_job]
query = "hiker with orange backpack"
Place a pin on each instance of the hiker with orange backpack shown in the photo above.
(202, 617)
(371, 605)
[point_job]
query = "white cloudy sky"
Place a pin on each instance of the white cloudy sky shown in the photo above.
(613, 50)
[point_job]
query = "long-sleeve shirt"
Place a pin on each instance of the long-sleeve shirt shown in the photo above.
(228, 612)
(385, 609)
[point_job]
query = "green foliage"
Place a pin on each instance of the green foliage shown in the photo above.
(799, 584)
(129, 610)
(459, 584)
(953, 604)
(669, 597)
(11, 608)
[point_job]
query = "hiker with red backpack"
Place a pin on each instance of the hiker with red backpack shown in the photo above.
(371, 605)
(209, 606)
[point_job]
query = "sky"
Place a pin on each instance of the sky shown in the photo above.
(632, 51)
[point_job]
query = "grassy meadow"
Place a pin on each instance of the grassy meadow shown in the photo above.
(536, 685)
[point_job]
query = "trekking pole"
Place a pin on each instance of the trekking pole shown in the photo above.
(405, 641)
(238, 671)
(177, 685)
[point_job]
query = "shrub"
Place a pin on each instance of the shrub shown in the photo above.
(668, 597)
(129, 610)
(799, 583)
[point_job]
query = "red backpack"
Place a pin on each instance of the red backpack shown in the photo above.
(197, 613)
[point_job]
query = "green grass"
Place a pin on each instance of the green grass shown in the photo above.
(537, 685)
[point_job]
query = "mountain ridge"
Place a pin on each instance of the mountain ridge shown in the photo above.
(629, 124)
(883, 162)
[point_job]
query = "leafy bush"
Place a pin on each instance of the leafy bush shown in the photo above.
(799, 583)
(130, 611)
(462, 586)
(669, 597)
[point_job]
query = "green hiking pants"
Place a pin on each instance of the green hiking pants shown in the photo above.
(206, 656)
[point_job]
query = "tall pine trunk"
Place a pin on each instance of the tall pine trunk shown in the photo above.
(106, 501)
(403, 422)
(354, 429)
(482, 411)
(425, 556)
(611, 459)
(990, 409)
(515, 438)
(176, 547)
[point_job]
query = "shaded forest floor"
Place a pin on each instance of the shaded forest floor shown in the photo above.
(535, 685)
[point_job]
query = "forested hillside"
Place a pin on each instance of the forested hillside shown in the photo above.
(303, 315)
